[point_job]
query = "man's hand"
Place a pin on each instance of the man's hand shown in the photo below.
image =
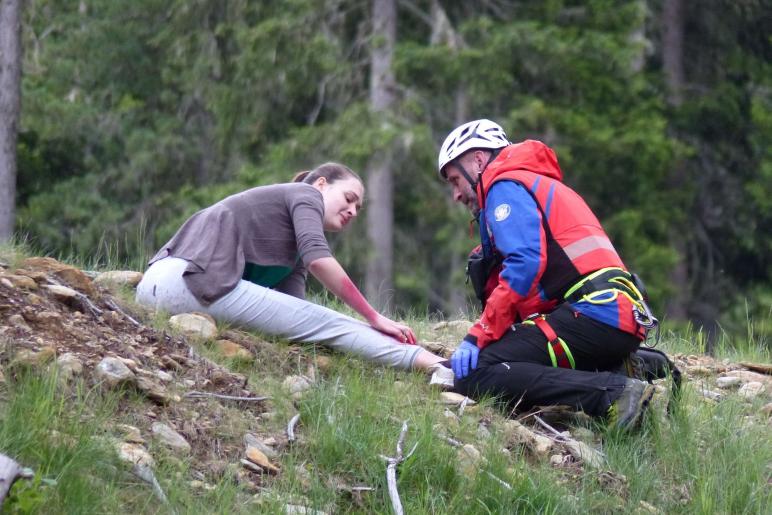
(464, 359)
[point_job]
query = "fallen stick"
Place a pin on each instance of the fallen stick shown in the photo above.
(462, 407)
(391, 470)
(10, 471)
(115, 307)
(291, 428)
(558, 435)
(145, 473)
(202, 395)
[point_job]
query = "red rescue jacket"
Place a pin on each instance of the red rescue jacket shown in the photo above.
(573, 242)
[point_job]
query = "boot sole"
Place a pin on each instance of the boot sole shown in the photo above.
(643, 403)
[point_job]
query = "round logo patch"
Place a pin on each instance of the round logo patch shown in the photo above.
(502, 212)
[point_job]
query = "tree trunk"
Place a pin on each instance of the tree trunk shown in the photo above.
(379, 283)
(673, 65)
(10, 107)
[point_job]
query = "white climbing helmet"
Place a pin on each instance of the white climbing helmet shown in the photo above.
(476, 134)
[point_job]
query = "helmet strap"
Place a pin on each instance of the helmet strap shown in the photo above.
(463, 171)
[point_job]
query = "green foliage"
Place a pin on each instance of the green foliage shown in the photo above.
(137, 114)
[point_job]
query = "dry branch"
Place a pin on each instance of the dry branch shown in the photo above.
(291, 428)
(391, 470)
(10, 471)
(115, 307)
(145, 473)
(202, 395)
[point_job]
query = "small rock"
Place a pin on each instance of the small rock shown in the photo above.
(323, 363)
(451, 417)
(751, 390)
(728, 381)
(154, 391)
(34, 300)
(5, 282)
(232, 350)
(113, 372)
(19, 322)
(455, 399)
(557, 460)
(21, 281)
(438, 348)
(130, 434)
(66, 273)
(257, 457)
(171, 363)
(129, 363)
(251, 466)
(517, 433)
(61, 293)
(648, 508)
(711, 395)
(2, 375)
(482, 432)
(166, 377)
(119, 278)
(26, 357)
(766, 410)
(169, 437)
(194, 325)
(134, 454)
(69, 366)
(469, 460)
(296, 384)
(587, 454)
(251, 440)
(699, 370)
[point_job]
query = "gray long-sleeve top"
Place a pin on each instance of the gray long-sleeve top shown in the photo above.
(270, 226)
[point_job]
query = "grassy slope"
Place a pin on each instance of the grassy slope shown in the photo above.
(708, 458)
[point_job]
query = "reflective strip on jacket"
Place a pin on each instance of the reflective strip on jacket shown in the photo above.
(519, 190)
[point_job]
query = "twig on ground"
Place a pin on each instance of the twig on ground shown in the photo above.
(391, 470)
(558, 434)
(291, 427)
(202, 395)
(462, 407)
(115, 307)
(145, 473)
(10, 471)
(499, 481)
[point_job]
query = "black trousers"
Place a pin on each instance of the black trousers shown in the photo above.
(517, 368)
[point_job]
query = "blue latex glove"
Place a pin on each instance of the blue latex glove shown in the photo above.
(464, 359)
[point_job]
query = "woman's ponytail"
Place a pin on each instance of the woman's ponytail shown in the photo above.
(330, 171)
(301, 176)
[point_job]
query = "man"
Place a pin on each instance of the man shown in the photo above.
(561, 313)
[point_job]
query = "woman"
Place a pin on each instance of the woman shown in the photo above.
(244, 261)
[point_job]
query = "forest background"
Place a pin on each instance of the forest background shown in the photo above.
(136, 114)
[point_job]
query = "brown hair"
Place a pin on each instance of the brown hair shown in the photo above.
(330, 171)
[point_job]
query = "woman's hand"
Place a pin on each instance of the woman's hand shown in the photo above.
(400, 332)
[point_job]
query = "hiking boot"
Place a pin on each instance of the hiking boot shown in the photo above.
(625, 412)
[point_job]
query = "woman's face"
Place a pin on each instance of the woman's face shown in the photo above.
(342, 201)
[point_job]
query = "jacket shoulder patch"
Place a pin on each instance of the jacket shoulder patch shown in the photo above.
(502, 212)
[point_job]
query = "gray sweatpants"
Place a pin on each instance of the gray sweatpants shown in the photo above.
(255, 307)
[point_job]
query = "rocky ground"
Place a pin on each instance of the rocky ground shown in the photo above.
(53, 315)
